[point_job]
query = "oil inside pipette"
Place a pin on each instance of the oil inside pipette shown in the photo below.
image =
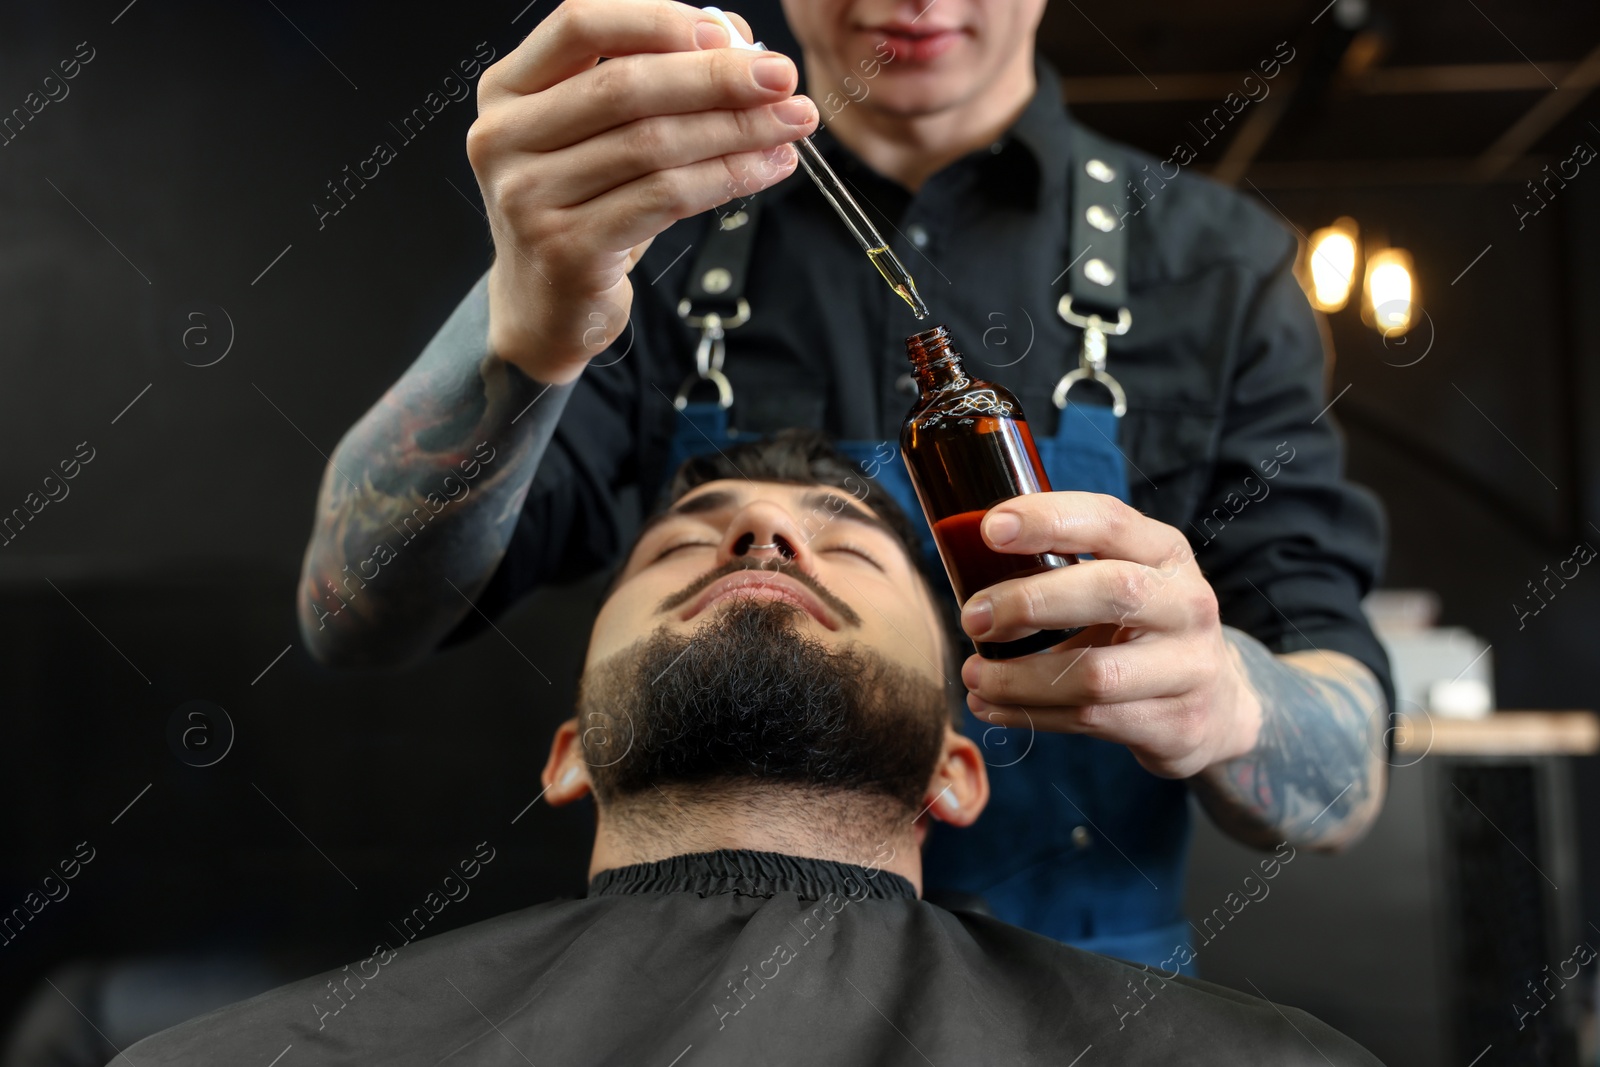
(866, 234)
(895, 273)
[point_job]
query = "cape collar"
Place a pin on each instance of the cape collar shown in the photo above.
(752, 874)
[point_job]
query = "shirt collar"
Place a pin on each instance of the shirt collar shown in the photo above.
(1043, 130)
(742, 872)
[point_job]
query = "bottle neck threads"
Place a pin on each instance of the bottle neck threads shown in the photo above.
(935, 364)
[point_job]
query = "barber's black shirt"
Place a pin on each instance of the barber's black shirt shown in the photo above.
(747, 958)
(1226, 435)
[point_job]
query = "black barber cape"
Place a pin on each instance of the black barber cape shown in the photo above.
(744, 958)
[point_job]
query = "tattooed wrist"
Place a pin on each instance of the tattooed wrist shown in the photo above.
(1315, 776)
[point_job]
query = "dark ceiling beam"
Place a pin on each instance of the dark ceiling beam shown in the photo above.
(1378, 173)
(1242, 150)
(1461, 78)
(1327, 52)
(1392, 81)
(1538, 120)
(1346, 53)
(1133, 89)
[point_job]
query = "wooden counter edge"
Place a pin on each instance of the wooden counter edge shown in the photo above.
(1503, 733)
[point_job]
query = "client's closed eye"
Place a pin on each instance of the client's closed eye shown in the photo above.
(664, 553)
(853, 550)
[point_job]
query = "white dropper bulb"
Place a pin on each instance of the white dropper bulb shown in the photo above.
(735, 38)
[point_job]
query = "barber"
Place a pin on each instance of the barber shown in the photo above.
(568, 372)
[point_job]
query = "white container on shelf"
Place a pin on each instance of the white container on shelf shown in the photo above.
(1443, 670)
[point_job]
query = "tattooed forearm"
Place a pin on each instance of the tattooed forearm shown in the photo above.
(1316, 776)
(421, 494)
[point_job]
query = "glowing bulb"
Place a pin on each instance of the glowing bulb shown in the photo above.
(1331, 265)
(1391, 296)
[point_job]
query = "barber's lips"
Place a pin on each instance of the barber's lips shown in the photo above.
(917, 44)
(766, 585)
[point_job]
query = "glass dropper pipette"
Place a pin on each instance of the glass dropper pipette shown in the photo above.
(872, 243)
(876, 248)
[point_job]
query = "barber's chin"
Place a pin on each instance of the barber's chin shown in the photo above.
(915, 95)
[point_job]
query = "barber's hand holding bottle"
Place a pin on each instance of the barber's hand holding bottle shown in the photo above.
(582, 163)
(1153, 671)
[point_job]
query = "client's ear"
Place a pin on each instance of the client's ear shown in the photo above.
(959, 788)
(566, 774)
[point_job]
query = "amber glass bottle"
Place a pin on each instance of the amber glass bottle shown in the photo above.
(967, 447)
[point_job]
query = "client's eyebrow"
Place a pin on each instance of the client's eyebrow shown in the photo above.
(843, 508)
(717, 498)
(820, 499)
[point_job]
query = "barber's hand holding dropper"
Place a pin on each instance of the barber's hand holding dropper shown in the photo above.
(582, 163)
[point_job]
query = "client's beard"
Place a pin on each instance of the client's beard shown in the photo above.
(749, 700)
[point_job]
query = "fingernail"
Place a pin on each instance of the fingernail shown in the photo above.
(796, 111)
(711, 35)
(782, 156)
(1001, 527)
(772, 72)
(978, 616)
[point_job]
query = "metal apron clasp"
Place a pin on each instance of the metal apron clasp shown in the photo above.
(1092, 360)
(710, 352)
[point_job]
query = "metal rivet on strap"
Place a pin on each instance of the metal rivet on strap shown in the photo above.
(1099, 272)
(1099, 170)
(1100, 218)
(717, 280)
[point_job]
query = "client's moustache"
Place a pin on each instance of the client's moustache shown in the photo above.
(787, 567)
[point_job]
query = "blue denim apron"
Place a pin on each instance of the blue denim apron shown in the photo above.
(1079, 842)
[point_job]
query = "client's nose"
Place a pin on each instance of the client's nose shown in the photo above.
(764, 531)
(778, 546)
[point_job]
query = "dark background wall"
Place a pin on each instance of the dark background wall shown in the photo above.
(195, 142)
(177, 179)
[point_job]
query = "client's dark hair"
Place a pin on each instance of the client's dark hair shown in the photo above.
(808, 457)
